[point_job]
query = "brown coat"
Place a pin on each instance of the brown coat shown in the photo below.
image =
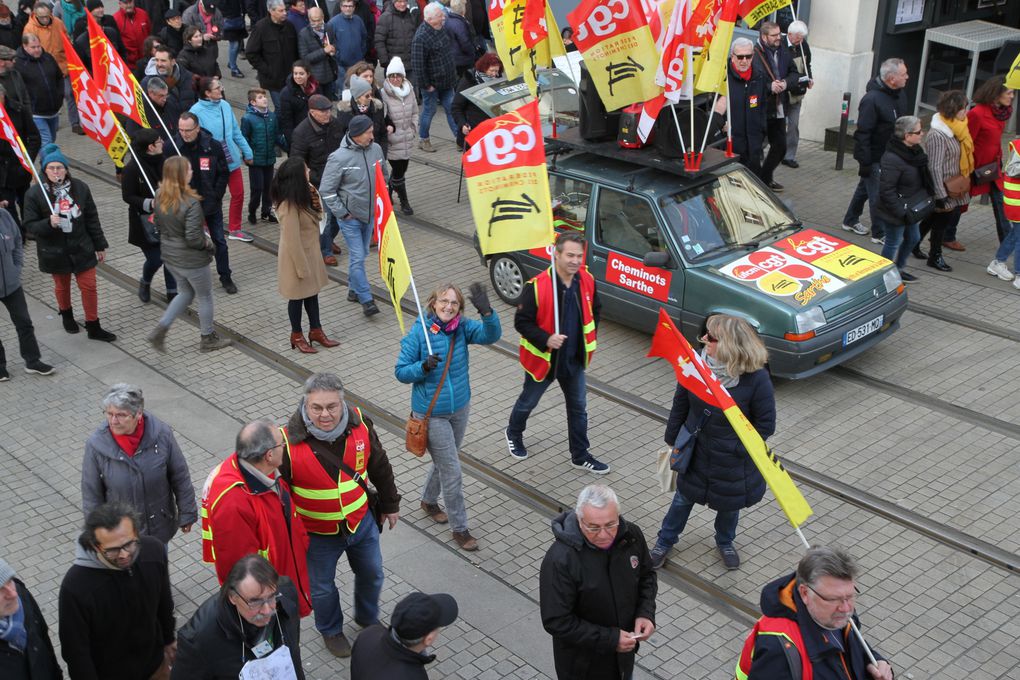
(300, 271)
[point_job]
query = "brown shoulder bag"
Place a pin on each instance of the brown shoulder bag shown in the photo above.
(417, 429)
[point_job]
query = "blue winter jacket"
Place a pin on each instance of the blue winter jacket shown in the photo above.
(218, 119)
(351, 41)
(263, 134)
(456, 391)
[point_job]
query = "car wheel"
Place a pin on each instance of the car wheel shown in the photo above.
(507, 278)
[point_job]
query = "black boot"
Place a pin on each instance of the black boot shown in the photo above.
(96, 332)
(936, 262)
(400, 185)
(170, 296)
(143, 291)
(70, 325)
(918, 253)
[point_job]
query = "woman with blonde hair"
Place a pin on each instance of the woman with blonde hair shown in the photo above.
(187, 252)
(720, 474)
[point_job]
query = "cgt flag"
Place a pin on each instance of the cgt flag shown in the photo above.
(695, 376)
(508, 183)
(618, 48)
(122, 90)
(10, 135)
(96, 117)
(754, 11)
(394, 268)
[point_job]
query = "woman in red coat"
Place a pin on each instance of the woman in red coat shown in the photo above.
(987, 120)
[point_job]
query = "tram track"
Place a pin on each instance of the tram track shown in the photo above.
(535, 499)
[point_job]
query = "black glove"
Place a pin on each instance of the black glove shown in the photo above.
(479, 298)
(430, 362)
(864, 170)
(940, 204)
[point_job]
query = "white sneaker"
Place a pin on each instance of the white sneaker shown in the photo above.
(880, 240)
(856, 228)
(999, 268)
(1016, 282)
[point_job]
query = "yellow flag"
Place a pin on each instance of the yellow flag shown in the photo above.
(513, 38)
(394, 268)
(496, 8)
(1013, 77)
(711, 73)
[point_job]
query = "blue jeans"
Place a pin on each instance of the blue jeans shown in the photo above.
(153, 261)
(676, 519)
(232, 52)
(362, 548)
(358, 235)
(214, 222)
(573, 387)
(900, 239)
(1010, 246)
(328, 235)
(867, 190)
(275, 96)
(429, 100)
(446, 433)
(1002, 225)
(48, 126)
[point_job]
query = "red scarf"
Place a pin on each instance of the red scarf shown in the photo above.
(743, 75)
(129, 442)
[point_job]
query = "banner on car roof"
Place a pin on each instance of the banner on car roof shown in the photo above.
(618, 49)
(507, 182)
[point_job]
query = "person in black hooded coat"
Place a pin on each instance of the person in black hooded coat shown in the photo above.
(36, 661)
(148, 146)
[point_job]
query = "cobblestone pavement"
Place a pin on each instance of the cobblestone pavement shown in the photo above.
(935, 611)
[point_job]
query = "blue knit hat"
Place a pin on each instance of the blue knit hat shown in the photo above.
(51, 154)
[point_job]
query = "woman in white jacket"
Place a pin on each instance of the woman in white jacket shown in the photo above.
(402, 108)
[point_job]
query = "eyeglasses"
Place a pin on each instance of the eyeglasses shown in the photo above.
(317, 408)
(916, 132)
(260, 602)
(181, 129)
(708, 338)
(743, 56)
(849, 599)
(119, 416)
(595, 529)
(447, 303)
(113, 553)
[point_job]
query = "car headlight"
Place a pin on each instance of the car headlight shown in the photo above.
(892, 280)
(810, 319)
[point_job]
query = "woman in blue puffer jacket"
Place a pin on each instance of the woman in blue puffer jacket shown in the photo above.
(445, 323)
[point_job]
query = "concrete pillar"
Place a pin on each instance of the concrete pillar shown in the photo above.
(841, 34)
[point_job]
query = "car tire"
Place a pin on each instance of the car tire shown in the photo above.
(507, 277)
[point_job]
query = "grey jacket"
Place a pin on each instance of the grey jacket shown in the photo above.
(348, 182)
(183, 242)
(155, 480)
(12, 254)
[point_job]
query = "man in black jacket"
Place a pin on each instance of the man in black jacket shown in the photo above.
(209, 178)
(596, 589)
(179, 80)
(776, 63)
(401, 651)
(26, 652)
(272, 49)
(394, 32)
(748, 89)
(884, 102)
(14, 178)
(315, 138)
(116, 609)
(45, 84)
(254, 615)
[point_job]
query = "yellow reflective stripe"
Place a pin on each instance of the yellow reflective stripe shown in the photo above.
(1011, 182)
(356, 504)
(1008, 200)
(348, 485)
(265, 553)
(535, 350)
(741, 675)
(206, 534)
(588, 327)
(204, 512)
(590, 346)
(324, 516)
(317, 494)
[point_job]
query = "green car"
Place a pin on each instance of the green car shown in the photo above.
(713, 242)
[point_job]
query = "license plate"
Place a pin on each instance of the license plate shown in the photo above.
(862, 331)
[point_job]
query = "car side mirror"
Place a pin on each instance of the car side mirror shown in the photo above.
(658, 259)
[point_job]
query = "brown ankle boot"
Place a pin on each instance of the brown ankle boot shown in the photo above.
(298, 340)
(317, 335)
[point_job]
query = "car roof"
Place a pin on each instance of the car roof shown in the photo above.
(627, 175)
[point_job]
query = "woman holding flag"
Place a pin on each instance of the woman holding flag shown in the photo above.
(449, 334)
(721, 473)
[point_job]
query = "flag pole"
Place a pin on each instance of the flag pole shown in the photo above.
(676, 122)
(53, 210)
(690, 79)
(159, 118)
(556, 302)
(711, 112)
(131, 149)
(417, 302)
(729, 123)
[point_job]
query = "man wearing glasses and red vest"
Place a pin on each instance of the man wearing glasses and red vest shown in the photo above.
(558, 348)
(805, 632)
(330, 451)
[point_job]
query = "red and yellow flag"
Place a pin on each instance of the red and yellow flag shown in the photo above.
(754, 11)
(711, 68)
(618, 49)
(394, 267)
(123, 93)
(496, 8)
(508, 183)
(96, 117)
(696, 377)
(521, 59)
(534, 26)
(9, 134)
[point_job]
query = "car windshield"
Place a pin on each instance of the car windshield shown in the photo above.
(734, 212)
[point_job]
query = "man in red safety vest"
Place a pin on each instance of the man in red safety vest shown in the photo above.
(557, 319)
(1011, 208)
(332, 451)
(805, 632)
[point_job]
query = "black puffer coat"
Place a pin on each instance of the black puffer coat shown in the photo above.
(587, 596)
(313, 143)
(37, 662)
(293, 106)
(722, 474)
(748, 107)
(61, 253)
(311, 49)
(876, 117)
(904, 175)
(272, 49)
(12, 174)
(135, 192)
(378, 655)
(211, 645)
(394, 33)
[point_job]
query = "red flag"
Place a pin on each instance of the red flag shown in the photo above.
(533, 25)
(97, 120)
(122, 91)
(10, 135)
(649, 114)
(668, 343)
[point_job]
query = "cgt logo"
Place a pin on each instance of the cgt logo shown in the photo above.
(633, 275)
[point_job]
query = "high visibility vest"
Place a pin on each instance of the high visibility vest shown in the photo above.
(793, 646)
(537, 360)
(323, 502)
(226, 476)
(1011, 190)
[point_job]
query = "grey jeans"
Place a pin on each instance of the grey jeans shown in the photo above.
(191, 284)
(446, 432)
(792, 131)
